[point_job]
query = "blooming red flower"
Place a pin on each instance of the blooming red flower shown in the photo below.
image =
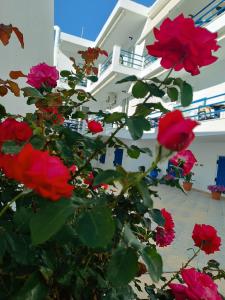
(43, 74)
(166, 234)
(197, 286)
(10, 129)
(39, 171)
(94, 126)
(181, 44)
(206, 238)
(175, 132)
(184, 159)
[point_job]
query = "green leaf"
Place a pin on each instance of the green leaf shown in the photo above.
(133, 152)
(32, 92)
(108, 176)
(186, 94)
(172, 93)
(33, 289)
(123, 266)
(22, 218)
(144, 109)
(10, 147)
(140, 89)
(128, 79)
(155, 90)
(137, 125)
(153, 261)
(157, 217)
(114, 117)
(96, 227)
(65, 73)
(92, 78)
(131, 239)
(49, 219)
(2, 111)
(145, 193)
(38, 142)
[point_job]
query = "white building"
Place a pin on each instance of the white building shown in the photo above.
(35, 19)
(125, 34)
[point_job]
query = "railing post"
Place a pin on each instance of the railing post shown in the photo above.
(116, 55)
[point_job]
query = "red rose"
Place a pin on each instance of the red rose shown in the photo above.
(166, 234)
(181, 44)
(175, 132)
(184, 159)
(197, 286)
(43, 74)
(206, 238)
(94, 126)
(39, 171)
(10, 129)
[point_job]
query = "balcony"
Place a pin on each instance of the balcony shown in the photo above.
(209, 108)
(208, 13)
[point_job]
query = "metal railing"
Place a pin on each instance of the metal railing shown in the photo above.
(131, 60)
(208, 13)
(76, 125)
(207, 108)
(106, 64)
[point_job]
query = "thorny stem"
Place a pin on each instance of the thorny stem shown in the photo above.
(178, 272)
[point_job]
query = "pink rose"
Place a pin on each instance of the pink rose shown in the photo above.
(43, 74)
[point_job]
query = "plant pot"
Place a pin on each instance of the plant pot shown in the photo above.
(216, 195)
(187, 186)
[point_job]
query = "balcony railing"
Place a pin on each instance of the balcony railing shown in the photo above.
(209, 12)
(131, 60)
(203, 109)
(106, 64)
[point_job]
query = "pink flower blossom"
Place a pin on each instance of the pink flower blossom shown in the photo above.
(166, 234)
(197, 286)
(43, 74)
(184, 159)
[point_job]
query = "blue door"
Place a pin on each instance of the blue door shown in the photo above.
(102, 159)
(118, 157)
(220, 179)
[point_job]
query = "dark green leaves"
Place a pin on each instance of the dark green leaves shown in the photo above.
(38, 141)
(108, 176)
(186, 94)
(157, 217)
(49, 219)
(123, 266)
(32, 92)
(114, 117)
(153, 261)
(96, 227)
(140, 89)
(34, 289)
(128, 79)
(172, 93)
(137, 125)
(145, 193)
(92, 78)
(10, 147)
(65, 73)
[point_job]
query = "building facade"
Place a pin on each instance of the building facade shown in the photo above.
(124, 36)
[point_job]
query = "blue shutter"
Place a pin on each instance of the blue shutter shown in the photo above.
(102, 159)
(220, 179)
(118, 157)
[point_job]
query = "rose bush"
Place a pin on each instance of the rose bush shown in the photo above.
(66, 231)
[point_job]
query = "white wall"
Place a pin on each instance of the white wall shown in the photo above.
(35, 19)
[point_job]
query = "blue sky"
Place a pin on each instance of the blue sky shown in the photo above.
(72, 15)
